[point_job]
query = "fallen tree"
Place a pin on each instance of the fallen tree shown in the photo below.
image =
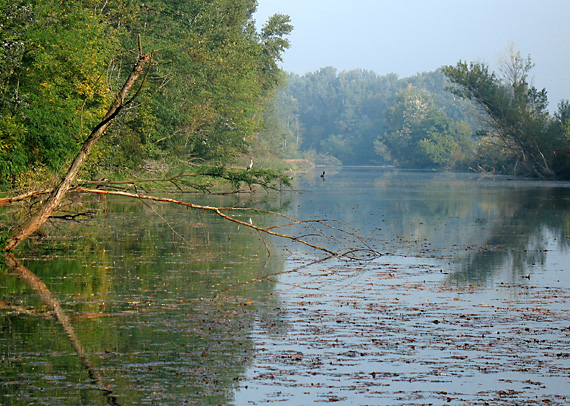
(311, 229)
(31, 225)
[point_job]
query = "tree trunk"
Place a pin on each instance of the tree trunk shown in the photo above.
(24, 230)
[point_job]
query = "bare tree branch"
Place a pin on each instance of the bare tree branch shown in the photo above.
(217, 210)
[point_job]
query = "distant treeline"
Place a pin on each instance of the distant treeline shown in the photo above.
(362, 118)
(205, 96)
(460, 118)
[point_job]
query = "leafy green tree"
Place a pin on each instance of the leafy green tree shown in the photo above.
(53, 91)
(213, 76)
(518, 122)
(419, 135)
(340, 113)
(15, 18)
(561, 127)
(274, 43)
(281, 134)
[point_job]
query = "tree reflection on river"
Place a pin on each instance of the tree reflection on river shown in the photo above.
(164, 303)
(484, 225)
(147, 290)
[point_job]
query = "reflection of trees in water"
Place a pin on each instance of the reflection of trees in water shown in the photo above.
(152, 309)
(488, 228)
(485, 224)
(519, 242)
(44, 294)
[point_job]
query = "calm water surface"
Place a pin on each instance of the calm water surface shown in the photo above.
(466, 303)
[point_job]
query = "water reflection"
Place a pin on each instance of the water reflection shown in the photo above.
(44, 294)
(478, 226)
(161, 301)
(153, 299)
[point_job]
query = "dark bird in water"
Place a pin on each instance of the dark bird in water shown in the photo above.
(250, 165)
(323, 175)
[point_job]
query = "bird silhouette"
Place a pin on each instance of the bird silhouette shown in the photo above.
(323, 175)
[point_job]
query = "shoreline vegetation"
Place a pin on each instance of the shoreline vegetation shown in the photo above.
(215, 95)
(212, 112)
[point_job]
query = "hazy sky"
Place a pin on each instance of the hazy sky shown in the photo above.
(410, 36)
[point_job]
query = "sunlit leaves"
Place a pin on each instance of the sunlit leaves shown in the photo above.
(211, 88)
(207, 91)
(64, 50)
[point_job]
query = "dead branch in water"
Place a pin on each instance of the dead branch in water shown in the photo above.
(311, 230)
(221, 211)
(236, 178)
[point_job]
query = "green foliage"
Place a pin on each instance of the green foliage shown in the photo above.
(13, 158)
(520, 136)
(419, 135)
(53, 93)
(15, 17)
(345, 115)
(280, 136)
(362, 118)
(274, 41)
(212, 79)
(266, 178)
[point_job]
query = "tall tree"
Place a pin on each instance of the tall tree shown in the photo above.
(419, 135)
(515, 111)
(53, 90)
(215, 73)
(213, 76)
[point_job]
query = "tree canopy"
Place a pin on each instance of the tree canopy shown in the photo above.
(213, 76)
(521, 136)
(355, 116)
(418, 134)
(500, 123)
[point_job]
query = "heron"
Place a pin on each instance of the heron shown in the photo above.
(250, 165)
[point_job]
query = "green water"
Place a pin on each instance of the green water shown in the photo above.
(158, 297)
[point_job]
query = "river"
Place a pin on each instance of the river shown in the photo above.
(456, 291)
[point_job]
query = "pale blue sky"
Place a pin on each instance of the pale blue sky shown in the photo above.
(410, 36)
